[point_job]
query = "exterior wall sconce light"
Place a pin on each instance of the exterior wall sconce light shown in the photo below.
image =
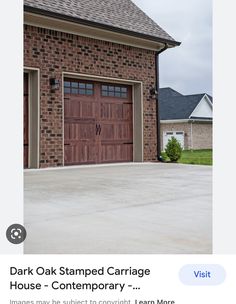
(54, 84)
(153, 93)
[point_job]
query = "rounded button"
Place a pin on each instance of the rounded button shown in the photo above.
(16, 234)
(202, 274)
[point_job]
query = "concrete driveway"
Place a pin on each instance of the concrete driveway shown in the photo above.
(125, 208)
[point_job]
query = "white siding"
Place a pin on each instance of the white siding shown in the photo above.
(203, 109)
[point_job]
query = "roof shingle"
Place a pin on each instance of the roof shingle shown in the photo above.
(121, 14)
(174, 105)
(165, 93)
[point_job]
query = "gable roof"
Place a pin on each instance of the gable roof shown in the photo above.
(177, 106)
(114, 15)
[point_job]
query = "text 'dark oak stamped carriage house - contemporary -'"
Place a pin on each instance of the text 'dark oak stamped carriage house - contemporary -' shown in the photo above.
(89, 67)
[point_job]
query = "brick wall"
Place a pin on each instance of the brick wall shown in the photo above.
(201, 134)
(55, 52)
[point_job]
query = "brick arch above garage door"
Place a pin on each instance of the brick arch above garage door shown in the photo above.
(98, 122)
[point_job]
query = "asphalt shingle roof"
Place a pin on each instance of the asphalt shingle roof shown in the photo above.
(165, 93)
(121, 14)
(174, 105)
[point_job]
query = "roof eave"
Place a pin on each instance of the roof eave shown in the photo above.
(186, 120)
(210, 119)
(170, 43)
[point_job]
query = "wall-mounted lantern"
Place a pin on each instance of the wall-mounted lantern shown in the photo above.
(54, 84)
(153, 93)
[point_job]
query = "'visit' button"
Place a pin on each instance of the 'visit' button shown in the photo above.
(208, 274)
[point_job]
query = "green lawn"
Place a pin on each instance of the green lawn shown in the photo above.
(195, 157)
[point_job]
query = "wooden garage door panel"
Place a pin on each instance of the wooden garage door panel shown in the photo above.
(97, 129)
(79, 142)
(75, 108)
(116, 153)
(117, 132)
(128, 112)
(79, 131)
(111, 111)
(116, 111)
(79, 123)
(116, 129)
(79, 154)
(72, 108)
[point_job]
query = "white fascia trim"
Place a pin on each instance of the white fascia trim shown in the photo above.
(174, 121)
(208, 99)
(200, 120)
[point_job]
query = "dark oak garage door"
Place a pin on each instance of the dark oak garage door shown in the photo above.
(98, 123)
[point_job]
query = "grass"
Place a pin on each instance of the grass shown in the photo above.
(195, 157)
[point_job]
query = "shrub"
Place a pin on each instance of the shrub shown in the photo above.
(164, 156)
(173, 149)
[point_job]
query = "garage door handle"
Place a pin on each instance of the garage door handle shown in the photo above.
(98, 129)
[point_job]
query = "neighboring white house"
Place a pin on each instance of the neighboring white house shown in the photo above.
(186, 117)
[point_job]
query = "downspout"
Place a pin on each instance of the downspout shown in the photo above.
(158, 125)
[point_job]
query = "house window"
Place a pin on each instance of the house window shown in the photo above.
(75, 87)
(114, 91)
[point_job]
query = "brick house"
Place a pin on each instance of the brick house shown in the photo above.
(90, 79)
(186, 117)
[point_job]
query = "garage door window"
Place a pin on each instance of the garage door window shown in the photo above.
(73, 87)
(114, 91)
(179, 135)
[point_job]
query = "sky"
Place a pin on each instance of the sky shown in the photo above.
(188, 67)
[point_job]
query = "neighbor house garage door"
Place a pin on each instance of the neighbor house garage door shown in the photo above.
(179, 135)
(98, 122)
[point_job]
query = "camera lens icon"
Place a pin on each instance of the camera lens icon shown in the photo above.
(16, 234)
